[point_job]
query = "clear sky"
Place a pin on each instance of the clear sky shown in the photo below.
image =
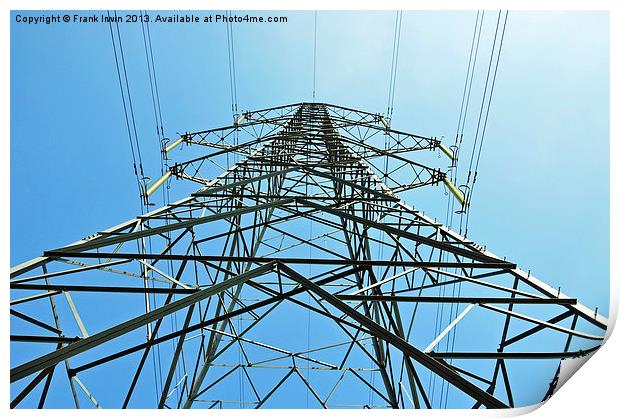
(542, 197)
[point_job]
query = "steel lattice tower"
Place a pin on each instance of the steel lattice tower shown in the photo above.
(297, 277)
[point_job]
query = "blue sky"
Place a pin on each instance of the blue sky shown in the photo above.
(542, 197)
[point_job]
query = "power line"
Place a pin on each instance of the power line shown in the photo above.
(458, 140)
(456, 289)
(148, 35)
(471, 79)
(486, 118)
(126, 113)
(159, 128)
(148, 65)
(314, 61)
(393, 71)
(133, 118)
(234, 68)
(471, 50)
(484, 98)
(463, 228)
(156, 103)
(392, 66)
(484, 128)
(231, 65)
(135, 154)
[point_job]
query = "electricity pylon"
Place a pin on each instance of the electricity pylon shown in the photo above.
(298, 277)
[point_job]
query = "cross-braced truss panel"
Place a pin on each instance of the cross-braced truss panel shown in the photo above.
(297, 277)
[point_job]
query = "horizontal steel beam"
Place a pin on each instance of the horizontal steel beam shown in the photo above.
(43, 339)
(292, 261)
(448, 299)
(512, 355)
(97, 288)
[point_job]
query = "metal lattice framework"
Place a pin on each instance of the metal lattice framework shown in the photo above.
(297, 277)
